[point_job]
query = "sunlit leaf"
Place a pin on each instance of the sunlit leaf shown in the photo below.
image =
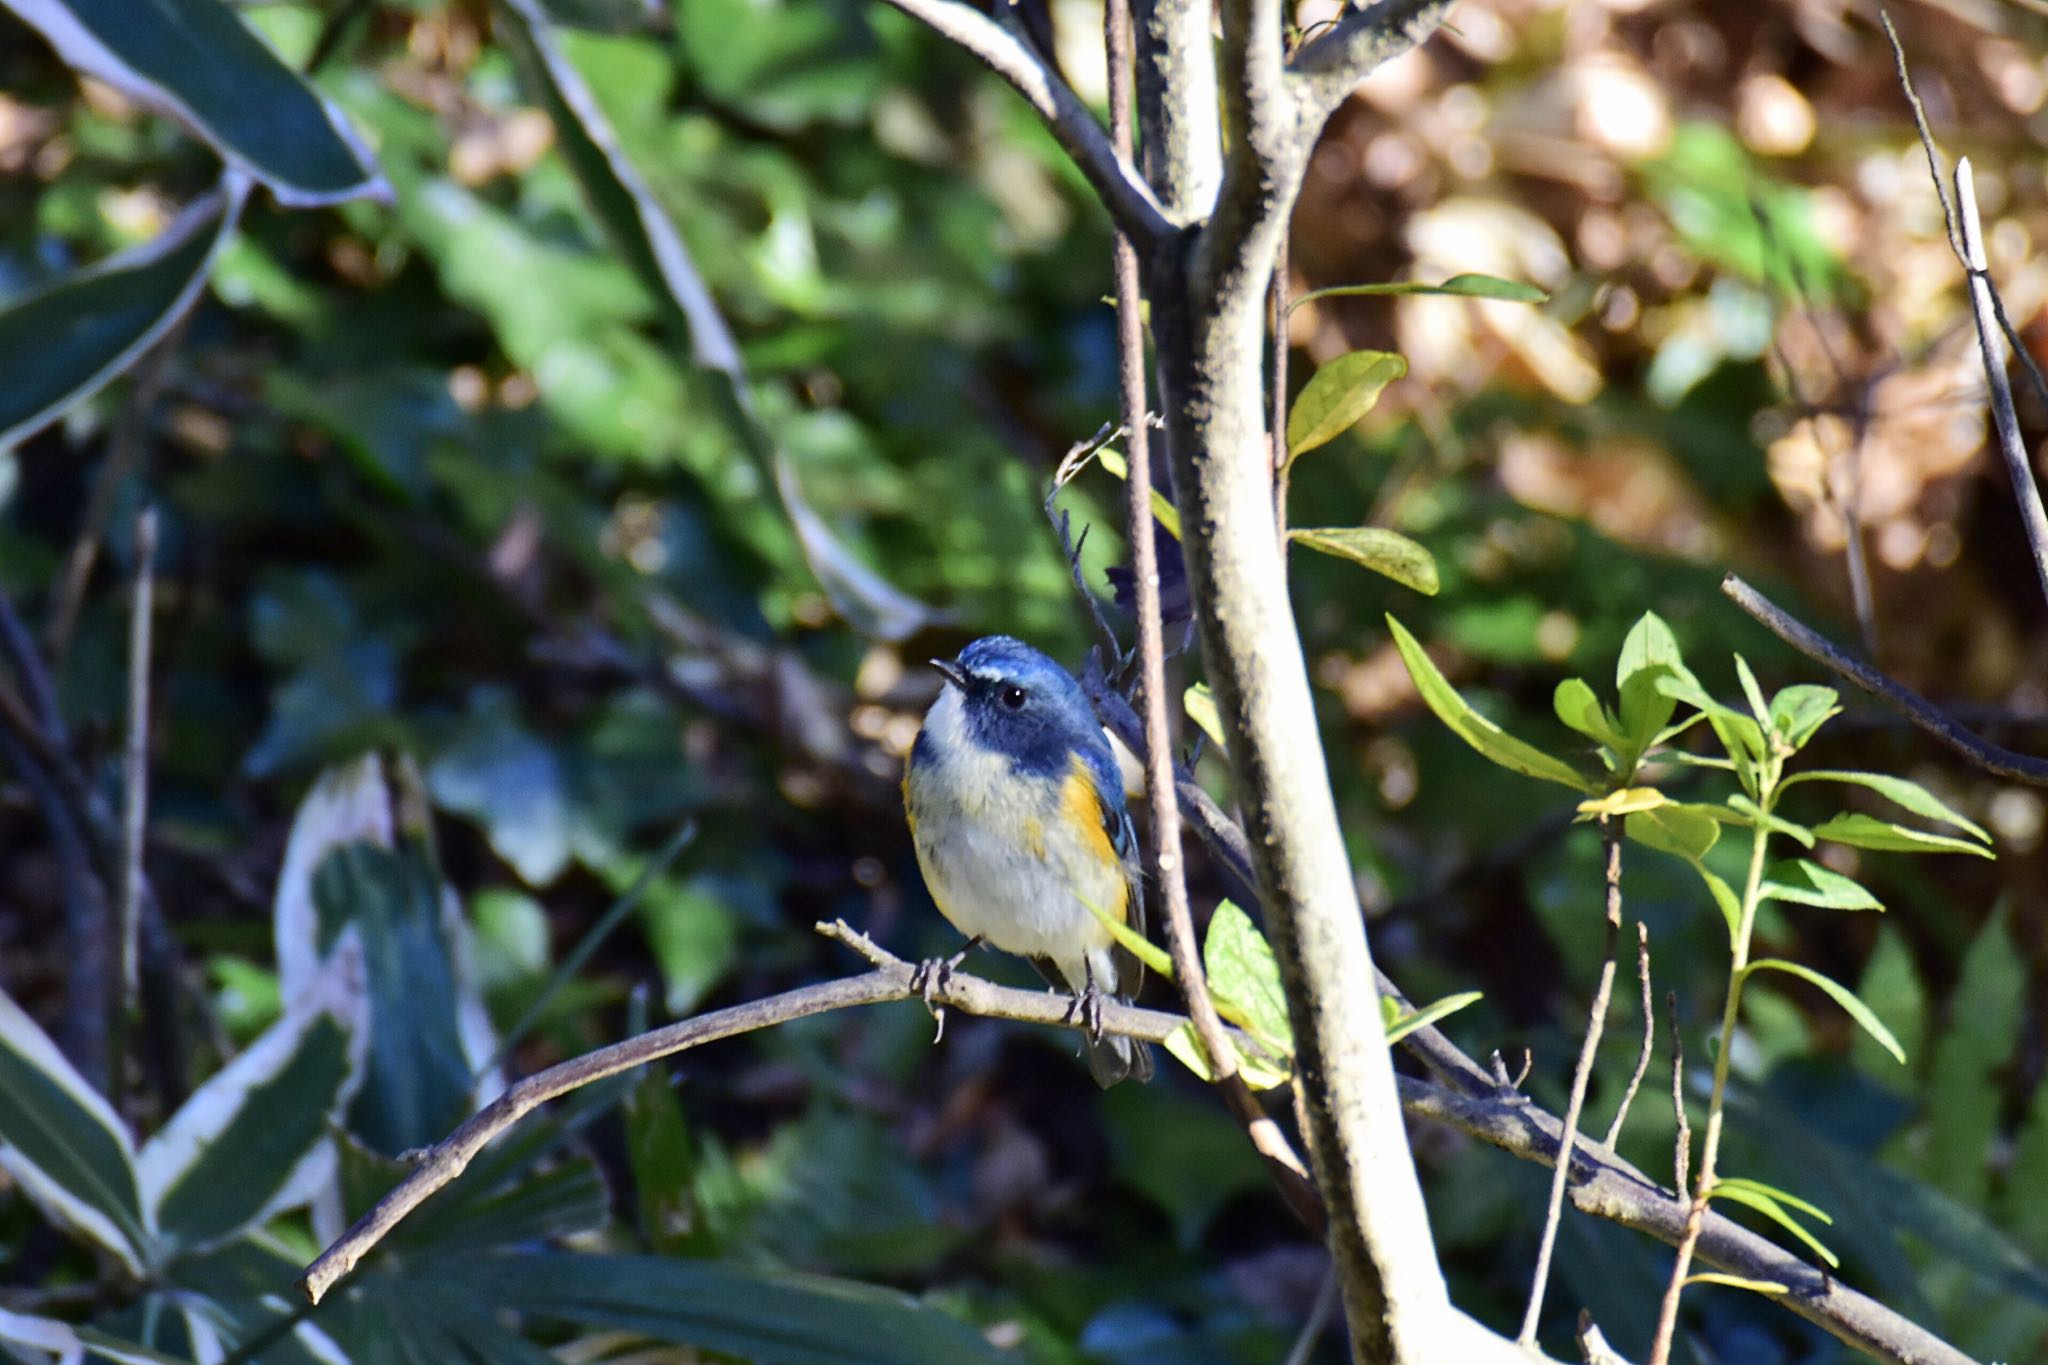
(1465, 286)
(1649, 653)
(67, 340)
(1163, 510)
(1260, 1072)
(1806, 882)
(1674, 829)
(1492, 742)
(1200, 704)
(1387, 553)
(1155, 958)
(1243, 972)
(1867, 831)
(1626, 801)
(1752, 693)
(1900, 791)
(1578, 707)
(1777, 1206)
(1736, 1282)
(1337, 395)
(1758, 817)
(1399, 1024)
(1798, 711)
(1840, 994)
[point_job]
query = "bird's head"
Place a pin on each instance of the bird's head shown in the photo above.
(1016, 701)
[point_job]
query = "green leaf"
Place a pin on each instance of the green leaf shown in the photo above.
(1163, 510)
(1260, 1072)
(1200, 704)
(1492, 742)
(1154, 957)
(199, 63)
(1973, 1057)
(63, 1144)
(1400, 1025)
(422, 1054)
(1891, 986)
(67, 340)
(1243, 973)
(1468, 285)
(1674, 829)
(252, 1142)
(1772, 1204)
(753, 1312)
(1578, 707)
(1758, 707)
(1740, 735)
(1798, 711)
(1841, 995)
(1387, 553)
(1737, 1282)
(664, 1165)
(1337, 395)
(1806, 882)
(1649, 653)
(1725, 900)
(1867, 831)
(1759, 818)
(1899, 791)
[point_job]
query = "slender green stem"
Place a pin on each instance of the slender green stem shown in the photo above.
(1710, 1144)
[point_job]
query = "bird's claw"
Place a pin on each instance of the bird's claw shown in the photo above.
(934, 976)
(1087, 1010)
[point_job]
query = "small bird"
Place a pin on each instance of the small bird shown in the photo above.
(1016, 807)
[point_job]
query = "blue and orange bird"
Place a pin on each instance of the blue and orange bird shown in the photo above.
(1016, 806)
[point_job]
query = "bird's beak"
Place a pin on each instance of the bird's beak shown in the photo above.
(954, 673)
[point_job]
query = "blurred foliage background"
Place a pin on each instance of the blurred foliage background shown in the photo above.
(438, 478)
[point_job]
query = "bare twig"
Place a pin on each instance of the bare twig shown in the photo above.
(1123, 191)
(2027, 492)
(1317, 1322)
(1593, 1347)
(1596, 1024)
(1923, 713)
(1635, 1081)
(1935, 170)
(1681, 1146)
(135, 763)
(1337, 59)
(127, 443)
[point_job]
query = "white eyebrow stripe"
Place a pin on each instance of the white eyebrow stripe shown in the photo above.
(986, 675)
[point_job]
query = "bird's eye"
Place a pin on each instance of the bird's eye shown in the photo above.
(1012, 696)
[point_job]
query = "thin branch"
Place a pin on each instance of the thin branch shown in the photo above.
(1681, 1146)
(1935, 170)
(1123, 191)
(1923, 713)
(1277, 421)
(1596, 1024)
(127, 443)
(891, 979)
(1169, 872)
(135, 766)
(1635, 1081)
(2027, 492)
(1317, 1322)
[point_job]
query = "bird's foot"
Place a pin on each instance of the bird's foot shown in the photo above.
(1087, 1010)
(934, 975)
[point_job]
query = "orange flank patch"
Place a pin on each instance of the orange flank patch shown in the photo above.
(1081, 808)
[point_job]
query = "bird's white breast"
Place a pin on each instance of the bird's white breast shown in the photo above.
(998, 851)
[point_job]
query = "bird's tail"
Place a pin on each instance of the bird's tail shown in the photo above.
(1110, 1058)
(1116, 1059)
